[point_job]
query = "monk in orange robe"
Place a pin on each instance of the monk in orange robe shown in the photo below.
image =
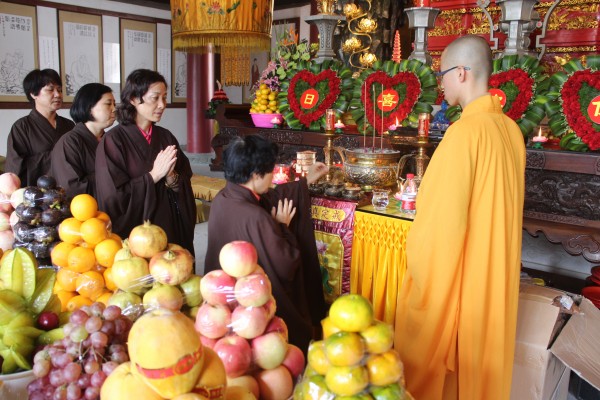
(457, 308)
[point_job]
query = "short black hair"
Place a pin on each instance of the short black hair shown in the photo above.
(248, 155)
(137, 85)
(35, 80)
(86, 98)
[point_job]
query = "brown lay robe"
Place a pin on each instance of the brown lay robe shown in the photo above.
(73, 161)
(127, 193)
(288, 255)
(29, 144)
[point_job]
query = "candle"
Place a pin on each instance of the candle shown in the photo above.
(329, 119)
(422, 3)
(281, 176)
(276, 121)
(392, 127)
(540, 138)
(365, 119)
(339, 125)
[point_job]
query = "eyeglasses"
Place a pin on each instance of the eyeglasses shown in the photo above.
(444, 72)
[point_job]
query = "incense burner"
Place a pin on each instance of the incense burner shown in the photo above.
(369, 166)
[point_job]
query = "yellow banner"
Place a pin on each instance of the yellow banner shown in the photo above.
(327, 214)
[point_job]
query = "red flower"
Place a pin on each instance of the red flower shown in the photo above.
(524, 84)
(577, 121)
(326, 100)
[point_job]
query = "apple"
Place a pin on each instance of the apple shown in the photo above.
(239, 393)
(191, 291)
(130, 304)
(163, 296)
(207, 342)
(246, 381)
(213, 320)
(123, 384)
(249, 322)
(13, 219)
(294, 361)
(379, 337)
(9, 182)
(235, 353)
(275, 383)
(277, 324)
(269, 350)
(5, 205)
(16, 197)
(48, 320)
(238, 258)
(253, 290)
(5, 223)
(271, 306)
(216, 287)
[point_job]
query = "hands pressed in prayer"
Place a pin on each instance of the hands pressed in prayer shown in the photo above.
(316, 171)
(285, 212)
(164, 163)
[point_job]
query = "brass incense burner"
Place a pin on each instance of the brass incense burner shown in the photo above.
(370, 166)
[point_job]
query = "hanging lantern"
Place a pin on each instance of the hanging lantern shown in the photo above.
(236, 27)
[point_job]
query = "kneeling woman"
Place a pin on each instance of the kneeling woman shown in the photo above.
(141, 172)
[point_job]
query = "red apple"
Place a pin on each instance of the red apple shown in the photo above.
(13, 219)
(294, 361)
(48, 320)
(271, 306)
(253, 290)
(213, 320)
(249, 322)
(16, 197)
(278, 325)
(269, 350)
(238, 258)
(9, 182)
(236, 354)
(207, 342)
(217, 286)
(5, 205)
(275, 384)
(245, 381)
(5, 221)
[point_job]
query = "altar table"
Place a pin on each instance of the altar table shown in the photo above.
(379, 257)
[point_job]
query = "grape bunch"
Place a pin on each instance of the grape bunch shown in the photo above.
(75, 367)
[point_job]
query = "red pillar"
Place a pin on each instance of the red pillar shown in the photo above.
(200, 89)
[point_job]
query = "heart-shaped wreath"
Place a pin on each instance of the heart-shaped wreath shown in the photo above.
(312, 88)
(392, 93)
(574, 104)
(518, 82)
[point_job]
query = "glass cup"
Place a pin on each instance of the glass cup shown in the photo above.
(380, 199)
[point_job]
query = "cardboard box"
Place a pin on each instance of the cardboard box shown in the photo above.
(537, 372)
(551, 343)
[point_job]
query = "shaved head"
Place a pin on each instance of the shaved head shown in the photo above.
(472, 51)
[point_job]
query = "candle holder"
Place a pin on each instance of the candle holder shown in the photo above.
(422, 144)
(328, 151)
(421, 19)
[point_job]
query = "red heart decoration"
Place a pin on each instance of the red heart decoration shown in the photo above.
(517, 105)
(305, 114)
(376, 115)
(570, 94)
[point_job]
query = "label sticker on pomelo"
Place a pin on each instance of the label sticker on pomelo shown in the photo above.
(182, 366)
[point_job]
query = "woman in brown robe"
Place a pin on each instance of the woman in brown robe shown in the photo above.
(278, 223)
(74, 155)
(32, 137)
(141, 172)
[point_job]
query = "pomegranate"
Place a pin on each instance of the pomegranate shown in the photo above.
(170, 367)
(172, 267)
(147, 239)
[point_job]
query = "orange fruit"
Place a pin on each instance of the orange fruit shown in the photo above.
(68, 231)
(103, 216)
(108, 281)
(105, 251)
(379, 337)
(90, 284)
(67, 279)
(116, 237)
(104, 297)
(57, 288)
(81, 259)
(351, 313)
(64, 296)
(93, 231)
(60, 252)
(83, 207)
(316, 357)
(347, 381)
(328, 327)
(344, 349)
(384, 369)
(77, 302)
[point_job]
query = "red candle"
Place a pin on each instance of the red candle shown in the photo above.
(422, 3)
(329, 119)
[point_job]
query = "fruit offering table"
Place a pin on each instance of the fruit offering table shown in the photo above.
(379, 257)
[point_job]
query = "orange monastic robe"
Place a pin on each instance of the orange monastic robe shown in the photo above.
(457, 309)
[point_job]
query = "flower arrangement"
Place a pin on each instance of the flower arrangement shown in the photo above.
(310, 89)
(393, 93)
(518, 81)
(571, 107)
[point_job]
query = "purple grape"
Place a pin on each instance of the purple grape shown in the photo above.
(92, 393)
(73, 392)
(72, 372)
(93, 324)
(98, 379)
(111, 313)
(78, 317)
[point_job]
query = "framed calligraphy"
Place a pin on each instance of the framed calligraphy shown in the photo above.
(179, 80)
(18, 49)
(81, 48)
(138, 47)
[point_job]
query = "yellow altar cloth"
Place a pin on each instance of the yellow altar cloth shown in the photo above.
(379, 257)
(205, 189)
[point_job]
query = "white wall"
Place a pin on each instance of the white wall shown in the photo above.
(174, 119)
